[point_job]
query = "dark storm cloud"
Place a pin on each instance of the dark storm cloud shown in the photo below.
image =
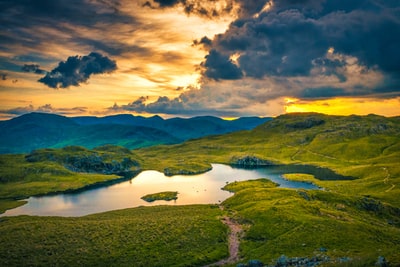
(209, 9)
(162, 105)
(205, 41)
(250, 7)
(35, 68)
(31, 24)
(331, 67)
(219, 66)
(323, 92)
(137, 105)
(292, 38)
(27, 12)
(182, 105)
(77, 69)
(168, 3)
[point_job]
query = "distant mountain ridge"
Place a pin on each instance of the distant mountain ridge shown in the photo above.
(183, 128)
(42, 130)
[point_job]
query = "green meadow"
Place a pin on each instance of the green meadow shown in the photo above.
(357, 220)
(157, 236)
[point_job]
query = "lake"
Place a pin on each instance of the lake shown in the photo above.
(193, 189)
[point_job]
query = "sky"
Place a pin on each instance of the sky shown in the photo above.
(185, 58)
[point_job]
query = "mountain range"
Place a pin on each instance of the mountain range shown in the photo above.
(42, 130)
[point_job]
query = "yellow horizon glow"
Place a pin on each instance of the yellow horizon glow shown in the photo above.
(345, 106)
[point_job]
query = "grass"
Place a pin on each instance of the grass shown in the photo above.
(259, 183)
(299, 223)
(308, 178)
(10, 204)
(156, 236)
(358, 219)
(167, 196)
(355, 218)
(364, 147)
(48, 171)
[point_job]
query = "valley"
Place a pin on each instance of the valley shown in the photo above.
(352, 221)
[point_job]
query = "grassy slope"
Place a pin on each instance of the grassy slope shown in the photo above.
(157, 236)
(300, 223)
(364, 147)
(358, 218)
(278, 221)
(46, 172)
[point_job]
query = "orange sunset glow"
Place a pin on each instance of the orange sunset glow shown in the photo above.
(227, 58)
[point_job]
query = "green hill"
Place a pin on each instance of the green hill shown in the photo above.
(357, 220)
(352, 222)
(71, 168)
(366, 147)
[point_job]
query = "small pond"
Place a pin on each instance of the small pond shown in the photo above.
(193, 189)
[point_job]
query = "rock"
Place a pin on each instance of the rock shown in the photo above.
(79, 159)
(307, 123)
(282, 261)
(381, 262)
(370, 204)
(344, 259)
(95, 164)
(304, 195)
(250, 162)
(255, 263)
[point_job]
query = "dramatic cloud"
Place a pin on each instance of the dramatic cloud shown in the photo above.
(205, 41)
(226, 57)
(77, 69)
(35, 68)
(175, 106)
(291, 39)
(219, 66)
(303, 49)
(47, 108)
(41, 31)
(210, 9)
(168, 3)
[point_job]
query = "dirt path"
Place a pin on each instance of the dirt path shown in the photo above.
(235, 231)
(292, 157)
(387, 179)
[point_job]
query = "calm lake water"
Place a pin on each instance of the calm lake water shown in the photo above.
(193, 189)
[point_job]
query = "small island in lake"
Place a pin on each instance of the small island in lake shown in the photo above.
(167, 195)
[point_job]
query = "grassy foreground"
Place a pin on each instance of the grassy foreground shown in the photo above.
(299, 223)
(355, 219)
(156, 236)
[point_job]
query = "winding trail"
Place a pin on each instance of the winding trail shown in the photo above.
(298, 151)
(235, 231)
(387, 178)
